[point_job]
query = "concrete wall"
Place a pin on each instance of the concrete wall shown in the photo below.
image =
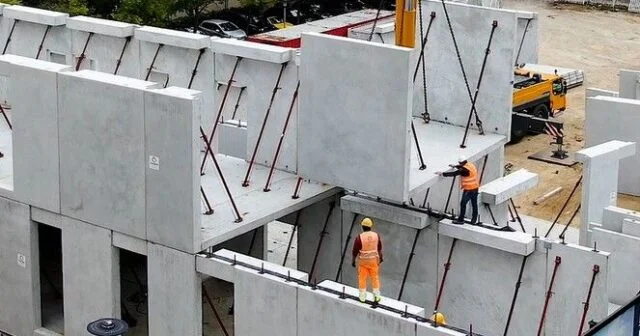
(19, 269)
(527, 36)
(629, 84)
(609, 118)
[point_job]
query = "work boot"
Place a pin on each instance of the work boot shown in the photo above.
(362, 296)
(457, 221)
(376, 296)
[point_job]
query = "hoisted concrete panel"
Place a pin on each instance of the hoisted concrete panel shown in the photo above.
(172, 148)
(337, 75)
(35, 133)
(472, 27)
(20, 275)
(102, 156)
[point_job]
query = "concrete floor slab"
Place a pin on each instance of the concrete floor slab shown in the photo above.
(501, 190)
(172, 184)
(265, 206)
(175, 292)
(102, 156)
(172, 37)
(264, 304)
(440, 144)
(101, 26)
(386, 212)
(251, 50)
(331, 146)
(19, 260)
(623, 269)
(35, 15)
(514, 242)
(36, 172)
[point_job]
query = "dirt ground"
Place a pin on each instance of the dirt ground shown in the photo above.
(600, 42)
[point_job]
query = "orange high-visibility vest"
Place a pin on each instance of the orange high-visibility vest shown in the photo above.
(470, 182)
(369, 242)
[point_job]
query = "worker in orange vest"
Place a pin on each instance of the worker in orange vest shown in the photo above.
(367, 249)
(470, 184)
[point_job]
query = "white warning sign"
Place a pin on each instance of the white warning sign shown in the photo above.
(22, 260)
(154, 162)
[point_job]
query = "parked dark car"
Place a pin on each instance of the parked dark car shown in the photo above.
(297, 12)
(221, 28)
(250, 23)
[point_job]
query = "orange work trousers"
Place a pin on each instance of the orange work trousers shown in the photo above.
(368, 268)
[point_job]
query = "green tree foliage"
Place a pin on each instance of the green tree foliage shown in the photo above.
(103, 8)
(258, 5)
(147, 12)
(11, 2)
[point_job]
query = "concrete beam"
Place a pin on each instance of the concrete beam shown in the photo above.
(387, 212)
(251, 50)
(129, 243)
(172, 38)
(502, 189)
(35, 15)
(226, 271)
(631, 227)
(514, 242)
(612, 150)
(101, 26)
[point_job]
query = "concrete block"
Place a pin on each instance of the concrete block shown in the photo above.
(35, 134)
(277, 317)
(222, 267)
(319, 312)
(494, 102)
(629, 84)
(610, 118)
(514, 242)
(172, 38)
(251, 50)
(501, 190)
(101, 26)
(613, 217)
(129, 243)
(232, 139)
(334, 128)
(35, 15)
(91, 269)
(172, 147)
(593, 92)
(19, 270)
(573, 279)
(623, 269)
(175, 292)
(102, 154)
(631, 227)
(386, 212)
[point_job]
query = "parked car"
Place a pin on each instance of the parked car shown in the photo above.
(278, 23)
(250, 23)
(222, 28)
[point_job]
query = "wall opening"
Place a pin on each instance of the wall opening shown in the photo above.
(218, 293)
(159, 77)
(57, 57)
(133, 291)
(51, 289)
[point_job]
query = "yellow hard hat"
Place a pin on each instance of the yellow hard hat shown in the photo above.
(439, 318)
(367, 222)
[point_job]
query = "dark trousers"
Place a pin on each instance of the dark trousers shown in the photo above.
(469, 196)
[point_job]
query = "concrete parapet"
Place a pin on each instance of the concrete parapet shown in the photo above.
(101, 26)
(251, 50)
(35, 15)
(172, 38)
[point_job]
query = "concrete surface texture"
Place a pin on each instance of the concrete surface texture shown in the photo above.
(233, 138)
(91, 275)
(600, 180)
(472, 35)
(624, 253)
(527, 38)
(330, 67)
(629, 84)
(19, 270)
(631, 227)
(172, 185)
(175, 292)
(36, 172)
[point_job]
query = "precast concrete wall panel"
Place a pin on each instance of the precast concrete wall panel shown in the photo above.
(175, 292)
(102, 155)
(103, 52)
(172, 148)
(609, 118)
(527, 38)
(264, 305)
(629, 84)
(35, 133)
(449, 101)
(320, 312)
(337, 78)
(571, 287)
(27, 36)
(91, 275)
(624, 272)
(19, 270)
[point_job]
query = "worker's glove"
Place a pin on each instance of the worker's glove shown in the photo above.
(353, 263)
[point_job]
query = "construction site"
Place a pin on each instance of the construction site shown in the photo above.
(475, 161)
